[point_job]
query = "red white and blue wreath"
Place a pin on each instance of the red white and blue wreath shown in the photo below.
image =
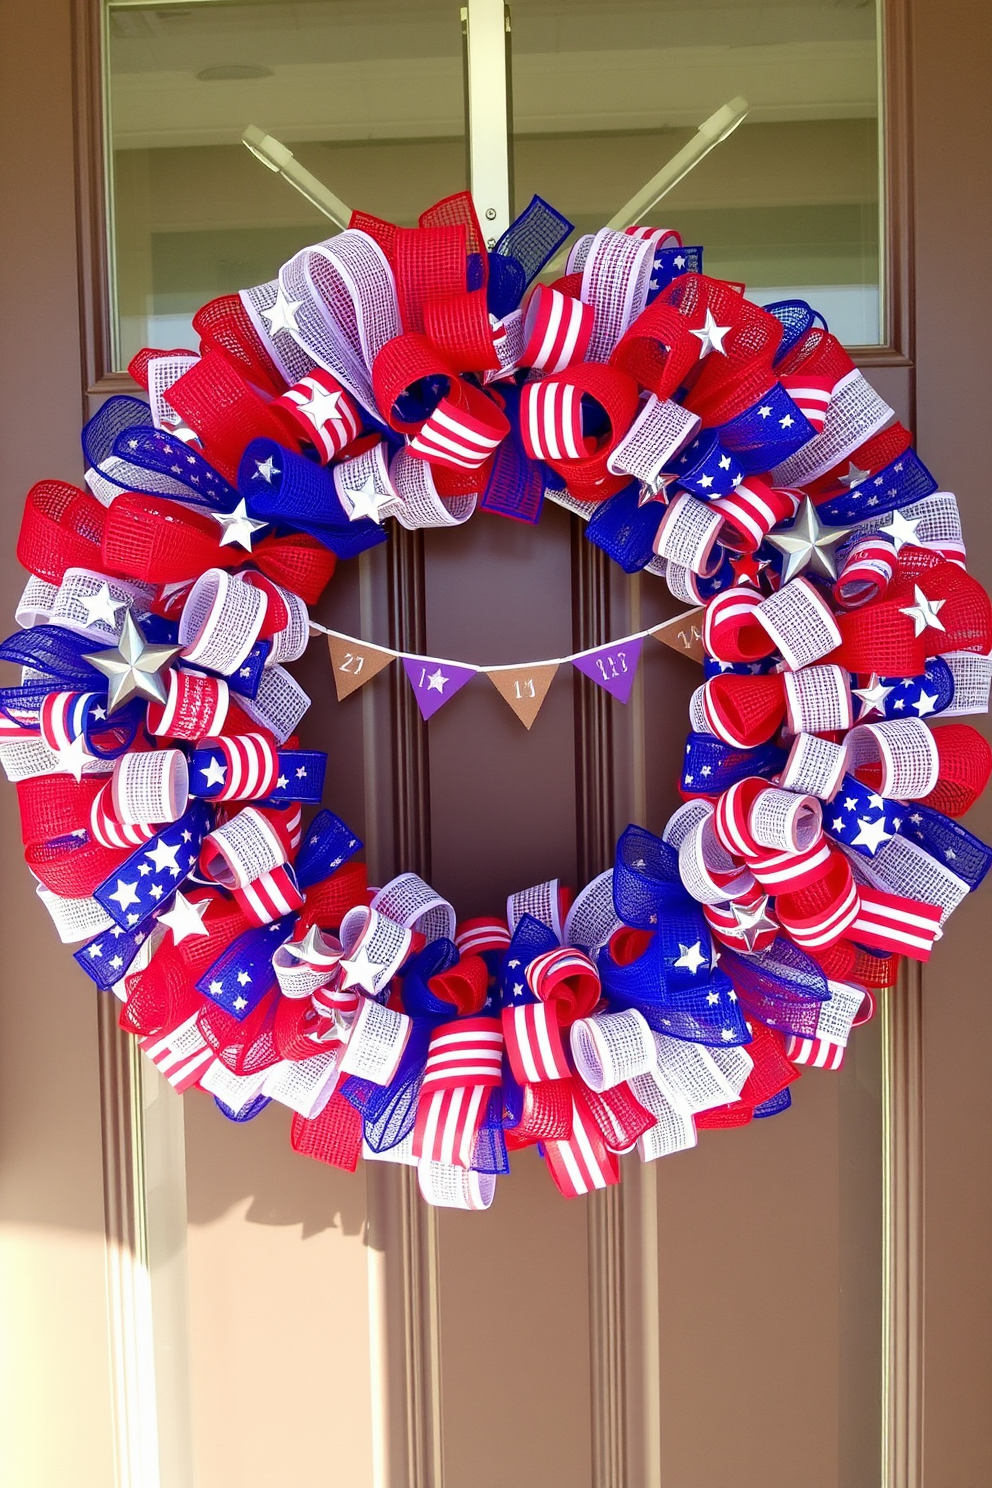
(408, 373)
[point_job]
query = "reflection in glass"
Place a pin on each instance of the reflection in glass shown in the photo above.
(605, 91)
(367, 93)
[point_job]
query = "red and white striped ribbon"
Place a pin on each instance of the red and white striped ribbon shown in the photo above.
(731, 628)
(106, 829)
(182, 1055)
(551, 421)
(464, 1062)
(825, 1050)
(482, 934)
(784, 872)
(456, 437)
(729, 931)
(564, 971)
(242, 849)
(890, 922)
(195, 708)
(251, 766)
(326, 413)
(60, 718)
(557, 329)
(811, 393)
(659, 237)
(829, 923)
(751, 511)
(866, 574)
(534, 1043)
(583, 1162)
(270, 896)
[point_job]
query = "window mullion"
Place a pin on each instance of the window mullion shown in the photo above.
(487, 61)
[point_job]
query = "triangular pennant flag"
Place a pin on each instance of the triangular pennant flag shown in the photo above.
(613, 667)
(684, 633)
(434, 682)
(354, 663)
(524, 687)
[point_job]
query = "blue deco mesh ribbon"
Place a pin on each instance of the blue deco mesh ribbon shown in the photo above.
(530, 241)
(900, 483)
(327, 843)
(782, 986)
(710, 766)
(249, 1112)
(714, 668)
(530, 939)
(282, 487)
(149, 459)
(775, 1105)
(947, 841)
(796, 317)
(515, 487)
(106, 958)
(669, 263)
(766, 433)
(243, 973)
(625, 530)
(648, 894)
(139, 886)
(58, 654)
(707, 469)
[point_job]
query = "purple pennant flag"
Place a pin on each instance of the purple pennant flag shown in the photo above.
(613, 667)
(434, 682)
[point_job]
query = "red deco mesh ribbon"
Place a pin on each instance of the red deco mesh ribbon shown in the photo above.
(54, 806)
(62, 527)
(658, 350)
(817, 353)
(965, 612)
(744, 711)
(334, 1137)
(879, 639)
(327, 902)
(729, 383)
(731, 629)
(965, 766)
(224, 325)
(215, 399)
(587, 475)
(771, 1073)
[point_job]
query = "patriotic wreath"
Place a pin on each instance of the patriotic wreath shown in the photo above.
(409, 373)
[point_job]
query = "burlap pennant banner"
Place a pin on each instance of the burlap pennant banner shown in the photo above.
(684, 633)
(354, 663)
(524, 687)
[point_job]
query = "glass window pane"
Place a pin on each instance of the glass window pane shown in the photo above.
(606, 91)
(368, 94)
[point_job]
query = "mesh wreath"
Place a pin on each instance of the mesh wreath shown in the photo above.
(409, 373)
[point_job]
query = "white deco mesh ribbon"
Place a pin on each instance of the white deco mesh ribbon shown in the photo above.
(236, 1091)
(902, 867)
(292, 361)
(36, 602)
(244, 848)
(815, 766)
(355, 474)
(781, 821)
(674, 1129)
(290, 643)
(401, 1153)
(279, 704)
(163, 371)
(420, 502)
(508, 343)
(906, 750)
(304, 1085)
(152, 786)
(839, 1011)
(578, 253)
(800, 623)
(616, 278)
(411, 902)
(609, 1048)
(698, 722)
(81, 584)
(74, 919)
(592, 918)
(449, 1187)
(699, 1076)
(658, 433)
(818, 699)
(938, 519)
(688, 534)
(972, 681)
(24, 759)
(542, 902)
(855, 412)
(383, 943)
(299, 978)
(376, 1042)
(221, 621)
(701, 855)
(348, 307)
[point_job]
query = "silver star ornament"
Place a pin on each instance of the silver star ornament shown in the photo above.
(133, 667)
(807, 544)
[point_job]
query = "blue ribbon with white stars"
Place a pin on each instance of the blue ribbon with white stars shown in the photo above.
(243, 973)
(912, 697)
(900, 483)
(766, 433)
(156, 463)
(300, 778)
(670, 263)
(705, 468)
(288, 490)
(106, 958)
(139, 885)
(860, 818)
(327, 843)
(948, 842)
(531, 938)
(709, 766)
(714, 668)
